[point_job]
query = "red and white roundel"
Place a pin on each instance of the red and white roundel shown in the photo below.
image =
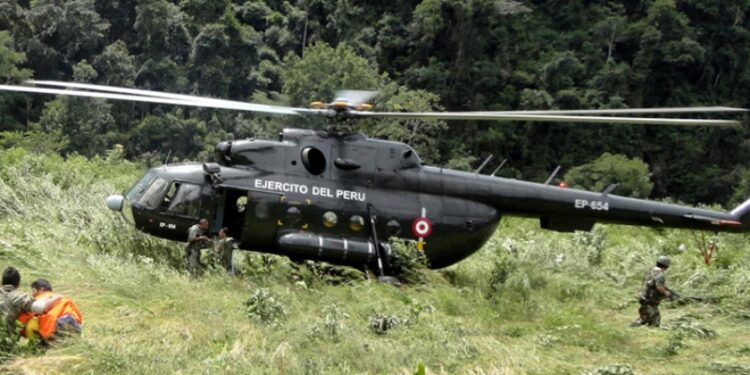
(421, 227)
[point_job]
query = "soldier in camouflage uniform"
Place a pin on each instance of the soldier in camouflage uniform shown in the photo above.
(223, 249)
(14, 302)
(197, 240)
(654, 290)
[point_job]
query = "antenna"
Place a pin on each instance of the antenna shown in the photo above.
(483, 164)
(499, 167)
(554, 173)
(609, 189)
(167, 161)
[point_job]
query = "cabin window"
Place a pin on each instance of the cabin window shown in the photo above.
(183, 199)
(314, 160)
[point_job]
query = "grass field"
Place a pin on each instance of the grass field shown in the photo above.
(530, 302)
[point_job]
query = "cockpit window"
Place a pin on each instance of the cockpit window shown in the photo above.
(137, 190)
(183, 199)
(153, 194)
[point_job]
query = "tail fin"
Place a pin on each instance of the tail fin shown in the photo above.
(742, 212)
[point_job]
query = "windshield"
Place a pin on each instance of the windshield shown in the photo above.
(185, 200)
(153, 195)
(137, 190)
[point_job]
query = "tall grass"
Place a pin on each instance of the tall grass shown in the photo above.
(529, 302)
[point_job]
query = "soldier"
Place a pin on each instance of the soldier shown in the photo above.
(653, 291)
(223, 249)
(15, 302)
(197, 240)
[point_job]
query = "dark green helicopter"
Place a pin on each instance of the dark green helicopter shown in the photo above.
(338, 197)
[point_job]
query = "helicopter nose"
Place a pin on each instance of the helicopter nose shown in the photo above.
(114, 202)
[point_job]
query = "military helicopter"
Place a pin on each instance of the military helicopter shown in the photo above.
(338, 196)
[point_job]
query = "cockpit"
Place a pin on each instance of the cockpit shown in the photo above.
(176, 197)
(174, 191)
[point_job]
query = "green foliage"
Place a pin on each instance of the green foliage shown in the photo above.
(407, 262)
(420, 369)
(423, 56)
(549, 312)
(594, 243)
(687, 326)
(34, 141)
(618, 369)
(730, 368)
(324, 70)
(380, 324)
(10, 60)
(332, 325)
(631, 174)
(266, 307)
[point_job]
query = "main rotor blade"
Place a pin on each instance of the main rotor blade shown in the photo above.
(624, 111)
(185, 99)
(540, 118)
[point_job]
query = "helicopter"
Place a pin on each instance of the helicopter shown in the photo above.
(338, 196)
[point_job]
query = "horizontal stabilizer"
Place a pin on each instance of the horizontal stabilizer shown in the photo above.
(742, 212)
(712, 220)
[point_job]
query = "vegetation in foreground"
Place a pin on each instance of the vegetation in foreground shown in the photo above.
(529, 302)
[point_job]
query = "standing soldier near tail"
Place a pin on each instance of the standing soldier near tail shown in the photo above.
(654, 290)
(197, 240)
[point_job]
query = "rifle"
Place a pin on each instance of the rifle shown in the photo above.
(683, 300)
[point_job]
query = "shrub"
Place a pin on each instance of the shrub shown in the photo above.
(616, 369)
(380, 324)
(407, 262)
(265, 307)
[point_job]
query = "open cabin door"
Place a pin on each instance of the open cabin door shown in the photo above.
(260, 219)
(232, 211)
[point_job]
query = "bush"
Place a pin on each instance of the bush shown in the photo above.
(631, 174)
(265, 307)
(407, 262)
(617, 369)
(380, 324)
(332, 324)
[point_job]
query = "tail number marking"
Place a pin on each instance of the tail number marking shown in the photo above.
(581, 204)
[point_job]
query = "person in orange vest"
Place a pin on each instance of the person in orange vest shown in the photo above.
(62, 318)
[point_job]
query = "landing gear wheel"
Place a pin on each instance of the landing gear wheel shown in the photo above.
(390, 280)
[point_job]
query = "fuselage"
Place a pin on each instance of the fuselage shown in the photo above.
(313, 196)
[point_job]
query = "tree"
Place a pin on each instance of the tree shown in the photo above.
(324, 70)
(10, 60)
(162, 32)
(115, 65)
(86, 122)
(631, 175)
(10, 72)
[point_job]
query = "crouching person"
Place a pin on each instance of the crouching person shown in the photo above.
(62, 319)
(14, 304)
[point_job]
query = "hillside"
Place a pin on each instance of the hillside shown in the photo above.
(420, 55)
(516, 307)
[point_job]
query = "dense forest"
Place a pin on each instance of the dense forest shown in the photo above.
(420, 55)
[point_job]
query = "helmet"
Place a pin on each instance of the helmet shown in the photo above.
(663, 261)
